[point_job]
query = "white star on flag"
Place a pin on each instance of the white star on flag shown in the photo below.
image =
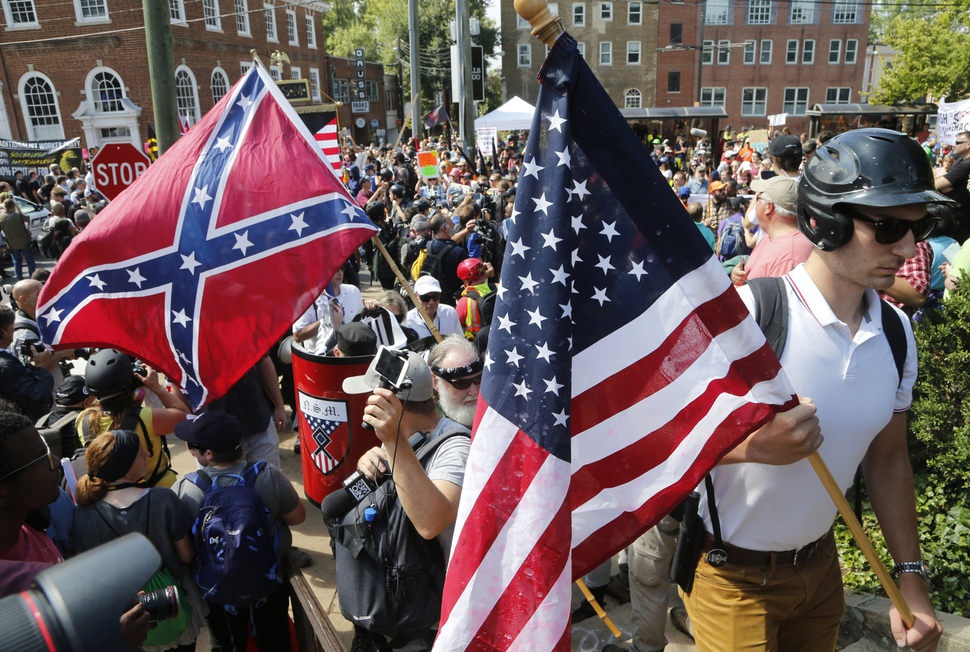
(180, 317)
(532, 168)
(189, 262)
(555, 122)
(242, 242)
(135, 277)
(298, 224)
(96, 282)
(201, 196)
(52, 315)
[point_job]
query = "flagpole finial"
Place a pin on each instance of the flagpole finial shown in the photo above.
(546, 26)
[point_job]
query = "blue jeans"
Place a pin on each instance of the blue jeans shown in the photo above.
(19, 256)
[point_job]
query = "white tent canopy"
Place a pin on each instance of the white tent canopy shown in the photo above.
(514, 114)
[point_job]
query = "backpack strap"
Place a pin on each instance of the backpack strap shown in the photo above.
(771, 301)
(201, 480)
(250, 474)
(892, 326)
(428, 448)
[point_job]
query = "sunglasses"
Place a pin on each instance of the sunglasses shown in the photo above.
(51, 461)
(891, 230)
(465, 383)
(434, 296)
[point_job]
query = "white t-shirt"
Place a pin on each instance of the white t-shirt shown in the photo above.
(320, 310)
(853, 382)
(445, 320)
(350, 301)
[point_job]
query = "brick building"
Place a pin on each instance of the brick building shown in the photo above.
(762, 57)
(78, 68)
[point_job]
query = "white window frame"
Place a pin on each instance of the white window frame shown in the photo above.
(315, 84)
(373, 90)
(801, 12)
(839, 92)
(808, 52)
(764, 52)
(341, 90)
(851, 51)
(796, 100)
(213, 17)
(634, 13)
(606, 12)
(224, 78)
(835, 51)
(295, 72)
(292, 33)
(632, 98)
(311, 30)
(196, 115)
(845, 12)
(579, 14)
(707, 53)
(581, 49)
(723, 52)
(101, 5)
(791, 53)
(634, 53)
(8, 15)
(241, 7)
(759, 12)
(93, 93)
(756, 106)
(269, 16)
(5, 129)
(521, 23)
(523, 55)
(276, 73)
(606, 53)
(750, 50)
(56, 130)
(716, 96)
(176, 12)
(244, 67)
(718, 12)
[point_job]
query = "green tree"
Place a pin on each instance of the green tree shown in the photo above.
(379, 25)
(933, 54)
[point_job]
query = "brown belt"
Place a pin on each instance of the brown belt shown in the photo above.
(744, 557)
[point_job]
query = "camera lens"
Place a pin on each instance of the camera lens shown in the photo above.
(162, 604)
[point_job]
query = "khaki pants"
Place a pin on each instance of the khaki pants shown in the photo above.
(649, 580)
(781, 609)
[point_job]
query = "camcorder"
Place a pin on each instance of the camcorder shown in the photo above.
(29, 347)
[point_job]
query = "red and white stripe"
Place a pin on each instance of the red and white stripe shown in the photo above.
(654, 406)
(329, 142)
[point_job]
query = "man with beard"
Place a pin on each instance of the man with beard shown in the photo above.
(456, 376)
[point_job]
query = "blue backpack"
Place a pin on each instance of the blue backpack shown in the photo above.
(236, 541)
(733, 242)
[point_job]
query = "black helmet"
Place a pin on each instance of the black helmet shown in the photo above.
(109, 373)
(422, 204)
(865, 167)
(397, 190)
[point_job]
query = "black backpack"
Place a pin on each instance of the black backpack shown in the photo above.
(434, 262)
(389, 578)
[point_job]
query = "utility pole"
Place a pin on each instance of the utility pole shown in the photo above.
(161, 71)
(466, 102)
(415, 74)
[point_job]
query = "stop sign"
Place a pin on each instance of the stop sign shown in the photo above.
(116, 167)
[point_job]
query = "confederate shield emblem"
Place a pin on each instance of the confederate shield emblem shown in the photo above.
(326, 421)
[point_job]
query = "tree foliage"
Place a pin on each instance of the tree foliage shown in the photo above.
(933, 49)
(379, 26)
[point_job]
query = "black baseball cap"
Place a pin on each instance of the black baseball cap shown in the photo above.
(71, 392)
(781, 145)
(355, 339)
(215, 431)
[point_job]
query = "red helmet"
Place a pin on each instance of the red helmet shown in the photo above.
(470, 269)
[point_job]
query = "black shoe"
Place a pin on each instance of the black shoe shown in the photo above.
(363, 641)
(610, 647)
(585, 609)
(681, 621)
(618, 590)
(296, 447)
(299, 558)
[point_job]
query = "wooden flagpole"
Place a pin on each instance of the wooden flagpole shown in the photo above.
(547, 29)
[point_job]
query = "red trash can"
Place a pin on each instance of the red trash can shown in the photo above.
(329, 420)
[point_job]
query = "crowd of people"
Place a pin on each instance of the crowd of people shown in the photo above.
(773, 214)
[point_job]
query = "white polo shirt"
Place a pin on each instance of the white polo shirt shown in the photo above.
(445, 320)
(853, 382)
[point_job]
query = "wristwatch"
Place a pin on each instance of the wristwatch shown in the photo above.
(920, 567)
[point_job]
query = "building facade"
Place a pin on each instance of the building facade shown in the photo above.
(79, 68)
(753, 57)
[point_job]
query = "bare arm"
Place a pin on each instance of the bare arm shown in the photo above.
(271, 383)
(889, 478)
(789, 437)
(296, 516)
(164, 419)
(943, 184)
(903, 292)
(185, 549)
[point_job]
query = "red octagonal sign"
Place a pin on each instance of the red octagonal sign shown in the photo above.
(116, 167)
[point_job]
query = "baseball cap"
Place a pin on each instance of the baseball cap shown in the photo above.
(215, 431)
(426, 285)
(781, 145)
(71, 392)
(683, 191)
(417, 372)
(781, 190)
(715, 186)
(356, 339)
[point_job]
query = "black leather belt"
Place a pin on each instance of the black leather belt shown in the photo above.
(744, 557)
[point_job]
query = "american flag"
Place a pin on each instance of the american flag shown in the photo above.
(212, 254)
(621, 367)
(322, 456)
(323, 124)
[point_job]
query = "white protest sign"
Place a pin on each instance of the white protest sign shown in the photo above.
(951, 119)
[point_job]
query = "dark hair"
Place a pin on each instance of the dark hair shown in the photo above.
(437, 222)
(227, 457)
(6, 317)
(10, 424)
(825, 136)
